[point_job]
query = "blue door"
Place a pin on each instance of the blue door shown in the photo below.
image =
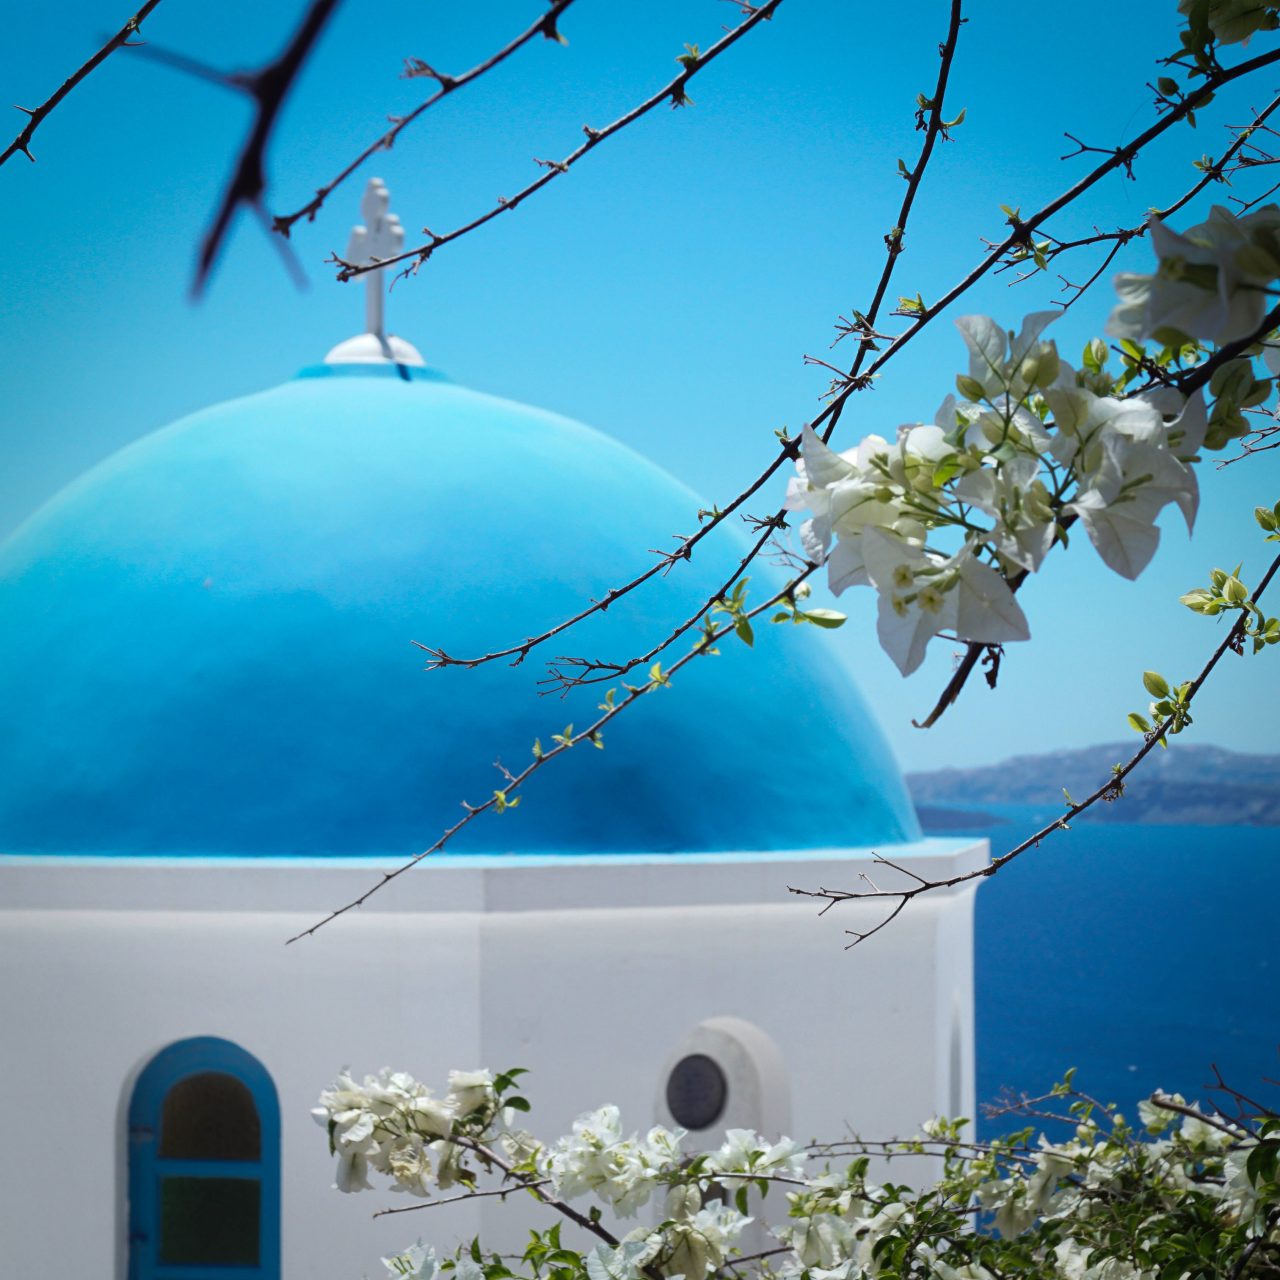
(204, 1166)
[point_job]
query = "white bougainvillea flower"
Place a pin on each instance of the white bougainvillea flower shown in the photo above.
(1002, 363)
(1232, 21)
(986, 609)
(626, 1262)
(697, 1244)
(469, 1090)
(1131, 485)
(622, 1172)
(466, 1268)
(820, 1239)
(912, 610)
(417, 1262)
(1123, 533)
(744, 1151)
(1210, 283)
(922, 594)
(846, 567)
(1018, 503)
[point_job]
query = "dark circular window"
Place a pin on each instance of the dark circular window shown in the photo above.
(696, 1092)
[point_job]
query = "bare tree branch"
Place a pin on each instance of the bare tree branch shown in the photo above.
(692, 62)
(895, 244)
(858, 379)
(36, 115)
(1112, 789)
(500, 800)
(268, 87)
(545, 26)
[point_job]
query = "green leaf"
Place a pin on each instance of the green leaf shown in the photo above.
(742, 629)
(946, 470)
(1156, 685)
(1140, 723)
(828, 618)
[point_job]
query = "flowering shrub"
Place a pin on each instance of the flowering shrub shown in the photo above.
(946, 520)
(1184, 1194)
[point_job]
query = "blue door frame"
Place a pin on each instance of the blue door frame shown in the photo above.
(148, 1169)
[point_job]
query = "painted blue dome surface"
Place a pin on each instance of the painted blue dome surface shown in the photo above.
(207, 647)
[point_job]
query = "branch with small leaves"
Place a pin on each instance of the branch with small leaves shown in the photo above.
(789, 450)
(658, 678)
(1112, 789)
(1081, 1193)
(859, 378)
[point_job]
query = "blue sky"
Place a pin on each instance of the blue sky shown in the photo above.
(666, 291)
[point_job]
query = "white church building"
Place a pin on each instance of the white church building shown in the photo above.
(216, 729)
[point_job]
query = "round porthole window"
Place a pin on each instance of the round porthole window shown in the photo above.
(697, 1092)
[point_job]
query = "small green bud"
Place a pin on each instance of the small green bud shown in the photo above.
(970, 388)
(1234, 591)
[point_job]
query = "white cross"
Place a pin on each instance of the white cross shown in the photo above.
(380, 238)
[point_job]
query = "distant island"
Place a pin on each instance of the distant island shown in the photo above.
(1188, 784)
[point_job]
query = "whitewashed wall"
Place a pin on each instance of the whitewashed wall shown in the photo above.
(594, 973)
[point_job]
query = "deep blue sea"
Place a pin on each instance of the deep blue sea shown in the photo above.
(1141, 955)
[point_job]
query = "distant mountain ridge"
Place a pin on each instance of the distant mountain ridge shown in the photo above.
(1187, 784)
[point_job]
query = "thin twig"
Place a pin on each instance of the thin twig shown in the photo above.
(828, 418)
(545, 26)
(503, 1192)
(895, 245)
(1167, 1103)
(36, 115)
(563, 743)
(673, 91)
(268, 87)
(1110, 790)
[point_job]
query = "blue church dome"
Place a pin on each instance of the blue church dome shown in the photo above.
(207, 646)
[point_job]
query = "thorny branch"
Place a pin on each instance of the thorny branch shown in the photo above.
(268, 87)
(1112, 789)
(933, 126)
(1211, 171)
(545, 26)
(855, 380)
(609, 709)
(490, 1157)
(501, 1192)
(1187, 383)
(691, 63)
(37, 114)
(858, 379)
